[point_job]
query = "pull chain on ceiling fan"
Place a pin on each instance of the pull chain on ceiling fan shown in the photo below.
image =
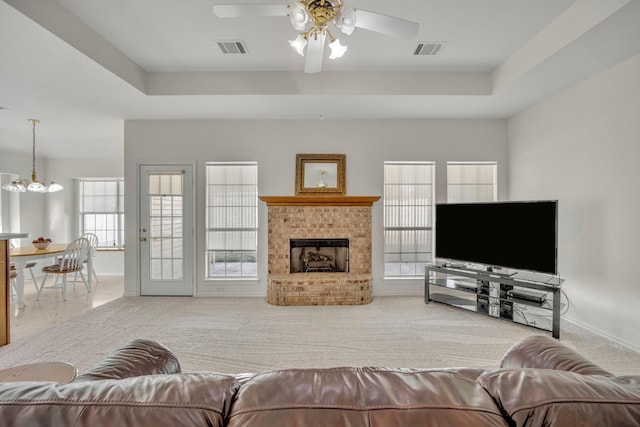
(311, 18)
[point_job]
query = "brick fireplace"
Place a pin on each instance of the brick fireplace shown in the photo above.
(321, 218)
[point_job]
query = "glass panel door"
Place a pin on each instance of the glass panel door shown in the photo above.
(166, 230)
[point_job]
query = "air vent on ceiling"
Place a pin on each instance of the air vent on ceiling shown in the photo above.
(233, 47)
(429, 48)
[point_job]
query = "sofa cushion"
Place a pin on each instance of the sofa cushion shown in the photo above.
(376, 397)
(544, 352)
(152, 400)
(542, 397)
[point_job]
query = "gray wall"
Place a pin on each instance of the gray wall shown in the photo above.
(275, 143)
(582, 147)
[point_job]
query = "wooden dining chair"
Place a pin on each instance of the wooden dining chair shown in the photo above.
(28, 266)
(93, 240)
(71, 262)
(12, 277)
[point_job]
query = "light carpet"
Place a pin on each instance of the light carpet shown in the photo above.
(236, 335)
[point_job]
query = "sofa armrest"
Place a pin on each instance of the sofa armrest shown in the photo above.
(544, 352)
(543, 397)
(135, 358)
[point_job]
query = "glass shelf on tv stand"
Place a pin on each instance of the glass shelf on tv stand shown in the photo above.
(529, 299)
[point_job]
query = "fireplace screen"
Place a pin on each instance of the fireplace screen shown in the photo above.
(319, 255)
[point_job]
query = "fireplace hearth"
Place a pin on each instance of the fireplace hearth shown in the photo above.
(319, 250)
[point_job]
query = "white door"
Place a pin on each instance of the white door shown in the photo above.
(166, 230)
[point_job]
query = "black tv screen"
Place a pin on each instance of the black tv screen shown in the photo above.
(517, 235)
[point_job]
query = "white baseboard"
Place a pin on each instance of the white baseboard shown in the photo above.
(398, 293)
(230, 295)
(602, 334)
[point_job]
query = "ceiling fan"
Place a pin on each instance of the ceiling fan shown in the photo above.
(312, 18)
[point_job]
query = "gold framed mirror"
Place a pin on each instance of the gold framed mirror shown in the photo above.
(320, 174)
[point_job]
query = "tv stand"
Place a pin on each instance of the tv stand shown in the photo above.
(526, 300)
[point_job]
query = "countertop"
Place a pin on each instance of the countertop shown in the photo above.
(7, 236)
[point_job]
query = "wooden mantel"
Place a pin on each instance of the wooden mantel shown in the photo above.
(319, 200)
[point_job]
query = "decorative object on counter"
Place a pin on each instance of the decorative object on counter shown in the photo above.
(41, 242)
(21, 185)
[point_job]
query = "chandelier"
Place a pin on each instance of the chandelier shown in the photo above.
(21, 185)
(311, 18)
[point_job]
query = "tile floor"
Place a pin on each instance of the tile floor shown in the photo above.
(52, 310)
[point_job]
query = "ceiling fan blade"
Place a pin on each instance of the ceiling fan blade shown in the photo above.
(246, 10)
(314, 54)
(385, 24)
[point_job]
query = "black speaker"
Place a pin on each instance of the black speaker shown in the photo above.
(506, 307)
(506, 310)
(482, 304)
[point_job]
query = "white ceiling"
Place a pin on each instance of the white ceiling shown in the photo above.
(84, 66)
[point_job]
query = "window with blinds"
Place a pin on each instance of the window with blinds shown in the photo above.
(408, 217)
(472, 182)
(102, 211)
(232, 219)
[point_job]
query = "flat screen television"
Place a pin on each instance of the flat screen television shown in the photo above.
(521, 235)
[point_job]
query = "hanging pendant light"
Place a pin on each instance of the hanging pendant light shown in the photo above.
(21, 185)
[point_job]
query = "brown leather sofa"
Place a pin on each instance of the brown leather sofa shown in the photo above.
(540, 382)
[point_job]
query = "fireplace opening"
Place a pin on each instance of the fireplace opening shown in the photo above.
(319, 255)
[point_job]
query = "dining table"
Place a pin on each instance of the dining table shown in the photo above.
(21, 255)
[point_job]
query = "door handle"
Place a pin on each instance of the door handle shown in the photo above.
(143, 239)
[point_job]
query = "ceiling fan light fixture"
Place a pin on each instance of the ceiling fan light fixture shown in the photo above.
(299, 44)
(298, 16)
(346, 21)
(314, 19)
(337, 50)
(323, 12)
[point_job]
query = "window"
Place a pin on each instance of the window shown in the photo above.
(471, 182)
(232, 219)
(408, 217)
(102, 211)
(9, 206)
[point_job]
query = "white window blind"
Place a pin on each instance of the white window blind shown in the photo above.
(408, 217)
(471, 182)
(232, 219)
(102, 210)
